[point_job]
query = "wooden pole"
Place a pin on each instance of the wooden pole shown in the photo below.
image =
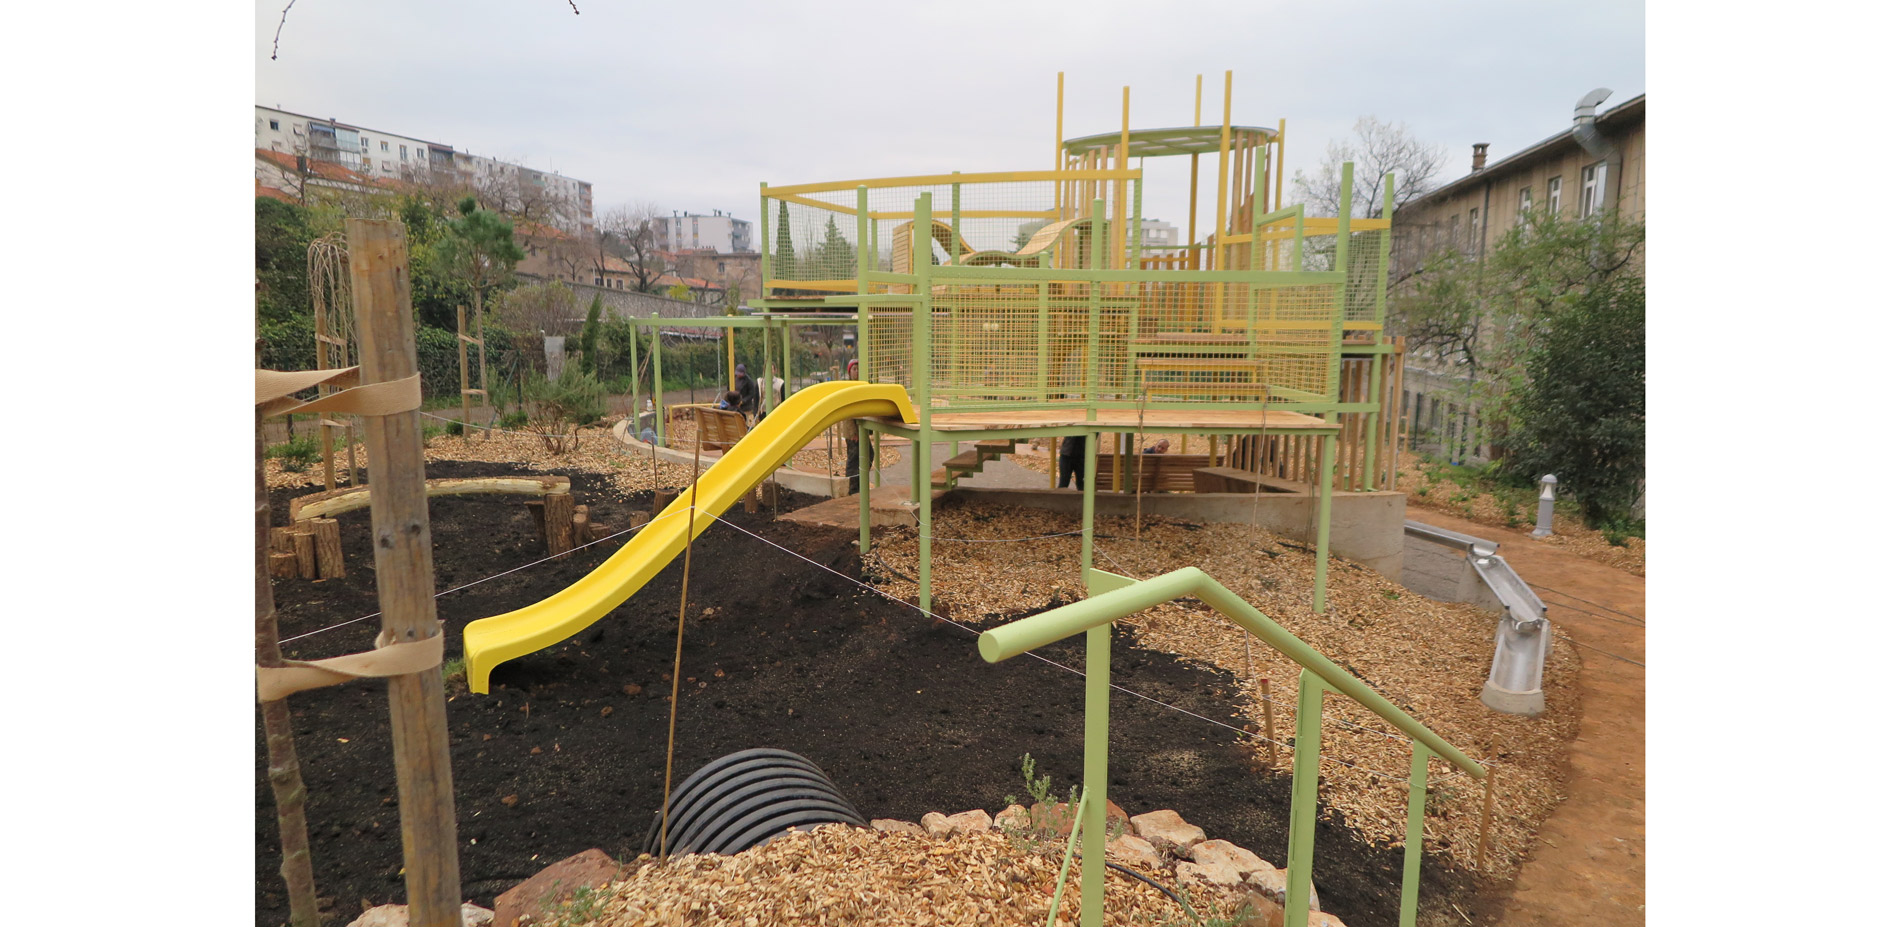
(1194, 199)
(280, 741)
(405, 574)
(461, 357)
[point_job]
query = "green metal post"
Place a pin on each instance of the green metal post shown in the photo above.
(1414, 836)
(1098, 247)
(956, 221)
(1301, 817)
(1095, 776)
(785, 340)
(867, 439)
(1042, 333)
(766, 392)
(1090, 442)
(920, 391)
(1372, 443)
(659, 392)
(1323, 529)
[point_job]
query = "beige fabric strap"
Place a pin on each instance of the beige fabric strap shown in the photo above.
(275, 387)
(276, 682)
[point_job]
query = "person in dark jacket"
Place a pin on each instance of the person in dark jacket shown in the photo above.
(1069, 461)
(748, 392)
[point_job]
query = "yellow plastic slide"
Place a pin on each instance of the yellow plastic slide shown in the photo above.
(489, 641)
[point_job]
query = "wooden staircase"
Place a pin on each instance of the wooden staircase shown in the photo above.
(969, 463)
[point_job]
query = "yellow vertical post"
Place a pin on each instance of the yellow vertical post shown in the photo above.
(1059, 185)
(1220, 184)
(1121, 192)
(1279, 166)
(1194, 184)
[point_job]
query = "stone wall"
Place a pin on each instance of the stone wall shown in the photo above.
(626, 303)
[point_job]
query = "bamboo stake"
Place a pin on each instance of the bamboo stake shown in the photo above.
(679, 647)
(280, 739)
(1484, 821)
(461, 357)
(405, 574)
(1273, 742)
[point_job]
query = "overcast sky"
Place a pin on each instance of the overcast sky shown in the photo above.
(692, 105)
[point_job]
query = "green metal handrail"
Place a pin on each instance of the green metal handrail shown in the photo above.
(1112, 596)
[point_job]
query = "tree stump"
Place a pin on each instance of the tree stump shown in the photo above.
(328, 534)
(581, 533)
(637, 520)
(306, 547)
(283, 563)
(769, 492)
(280, 541)
(662, 499)
(559, 508)
(752, 502)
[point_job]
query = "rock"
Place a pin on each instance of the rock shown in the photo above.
(1240, 858)
(1014, 818)
(1257, 910)
(889, 826)
(397, 915)
(965, 822)
(1130, 849)
(1272, 883)
(548, 888)
(1167, 831)
(1218, 872)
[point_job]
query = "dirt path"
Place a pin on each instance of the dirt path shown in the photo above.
(1589, 864)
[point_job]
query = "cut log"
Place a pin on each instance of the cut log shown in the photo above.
(751, 501)
(580, 533)
(283, 563)
(560, 522)
(329, 541)
(306, 554)
(637, 519)
(330, 503)
(662, 499)
(768, 492)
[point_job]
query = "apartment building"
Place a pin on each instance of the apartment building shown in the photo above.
(1594, 165)
(376, 156)
(721, 232)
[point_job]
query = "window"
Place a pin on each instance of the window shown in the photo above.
(1523, 205)
(1473, 234)
(385, 165)
(405, 152)
(1554, 195)
(273, 125)
(385, 146)
(1593, 184)
(365, 144)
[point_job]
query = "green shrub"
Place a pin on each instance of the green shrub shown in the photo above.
(297, 454)
(513, 420)
(557, 409)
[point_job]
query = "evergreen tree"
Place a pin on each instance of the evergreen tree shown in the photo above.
(784, 262)
(477, 250)
(590, 338)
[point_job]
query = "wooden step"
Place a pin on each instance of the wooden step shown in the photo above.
(968, 461)
(1004, 444)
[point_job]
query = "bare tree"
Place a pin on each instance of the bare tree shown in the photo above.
(1375, 149)
(628, 231)
(547, 308)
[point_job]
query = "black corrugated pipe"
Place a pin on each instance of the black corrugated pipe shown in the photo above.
(1583, 128)
(743, 799)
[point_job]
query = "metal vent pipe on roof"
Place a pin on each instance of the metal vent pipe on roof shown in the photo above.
(1583, 128)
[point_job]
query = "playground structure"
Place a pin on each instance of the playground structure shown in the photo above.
(1014, 306)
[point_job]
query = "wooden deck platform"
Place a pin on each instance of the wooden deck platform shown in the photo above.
(1154, 421)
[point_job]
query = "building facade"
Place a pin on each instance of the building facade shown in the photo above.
(387, 157)
(719, 232)
(1595, 165)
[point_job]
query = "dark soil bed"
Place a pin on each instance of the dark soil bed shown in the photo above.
(900, 711)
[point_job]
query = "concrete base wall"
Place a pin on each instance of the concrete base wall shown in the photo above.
(1441, 572)
(1368, 527)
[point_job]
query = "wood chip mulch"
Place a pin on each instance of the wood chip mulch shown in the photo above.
(842, 875)
(1429, 658)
